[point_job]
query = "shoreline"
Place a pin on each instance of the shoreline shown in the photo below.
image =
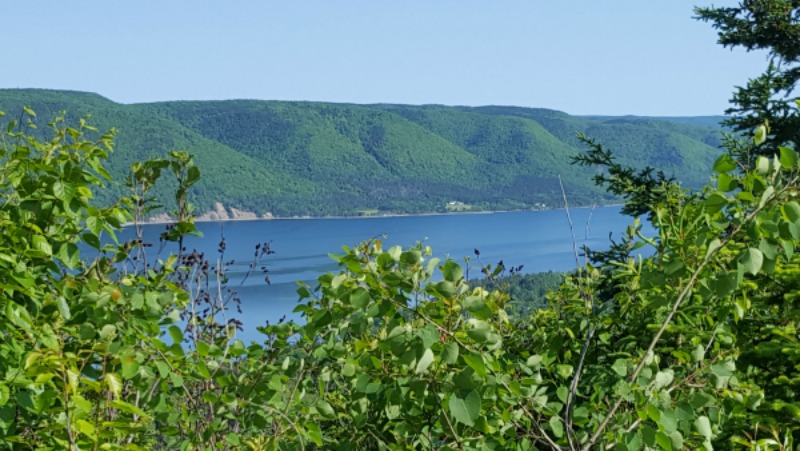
(199, 219)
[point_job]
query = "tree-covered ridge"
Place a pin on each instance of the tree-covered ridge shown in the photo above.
(312, 158)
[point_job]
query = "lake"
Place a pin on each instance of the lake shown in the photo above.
(538, 240)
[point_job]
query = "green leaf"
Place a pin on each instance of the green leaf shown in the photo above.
(723, 369)
(193, 175)
(450, 354)
(5, 394)
(663, 441)
(233, 439)
(788, 158)
(303, 292)
(41, 243)
(359, 298)
(479, 330)
(762, 165)
(476, 363)
(724, 284)
(128, 407)
(325, 409)
(176, 334)
(202, 347)
(564, 371)
(446, 288)
(113, 383)
(676, 438)
(770, 250)
(765, 196)
(703, 426)
(63, 308)
(428, 335)
(424, 361)
(478, 307)
(18, 316)
(556, 426)
(314, 433)
(760, 135)
(715, 202)
(176, 379)
(724, 163)
(467, 409)
(664, 378)
(130, 366)
(751, 260)
(791, 211)
(562, 392)
(713, 246)
(668, 420)
(395, 252)
(534, 362)
(699, 353)
(48, 337)
(452, 271)
(726, 183)
(86, 428)
(620, 367)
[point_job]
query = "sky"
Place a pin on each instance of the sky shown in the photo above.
(611, 57)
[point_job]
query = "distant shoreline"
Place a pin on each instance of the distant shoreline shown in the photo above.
(199, 219)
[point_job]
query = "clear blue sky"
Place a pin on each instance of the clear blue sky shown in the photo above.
(580, 56)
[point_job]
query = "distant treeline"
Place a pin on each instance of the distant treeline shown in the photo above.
(311, 158)
(528, 292)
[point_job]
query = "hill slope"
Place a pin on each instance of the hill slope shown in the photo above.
(311, 158)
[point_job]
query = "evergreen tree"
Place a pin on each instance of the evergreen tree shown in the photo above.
(774, 26)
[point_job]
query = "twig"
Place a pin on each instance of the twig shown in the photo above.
(571, 228)
(573, 388)
(449, 423)
(539, 427)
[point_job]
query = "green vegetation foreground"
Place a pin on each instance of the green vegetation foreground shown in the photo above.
(692, 347)
(695, 347)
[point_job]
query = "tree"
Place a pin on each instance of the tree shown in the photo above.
(773, 26)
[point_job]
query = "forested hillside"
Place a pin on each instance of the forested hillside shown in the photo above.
(310, 158)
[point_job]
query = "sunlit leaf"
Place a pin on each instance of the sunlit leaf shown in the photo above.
(424, 361)
(760, 135)
(725, 163)
(751, 260)
(788, 158)
(465, 410)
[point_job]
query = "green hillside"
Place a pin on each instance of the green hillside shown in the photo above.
(311, 158)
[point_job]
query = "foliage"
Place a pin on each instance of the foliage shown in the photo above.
(310, 158)
(694, 346)
(116, 351)
(397, 351)
(527, 292)
(772, 26)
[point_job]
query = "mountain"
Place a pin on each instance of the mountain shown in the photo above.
(314, 158)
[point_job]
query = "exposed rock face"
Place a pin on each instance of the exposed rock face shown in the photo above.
(217, 214)
(241, 214)
(160, 218)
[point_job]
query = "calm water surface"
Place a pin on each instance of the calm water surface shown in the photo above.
(538, 240)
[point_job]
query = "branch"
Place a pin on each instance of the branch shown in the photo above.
(675, 306)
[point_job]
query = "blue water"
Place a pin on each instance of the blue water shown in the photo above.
(538, 240)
